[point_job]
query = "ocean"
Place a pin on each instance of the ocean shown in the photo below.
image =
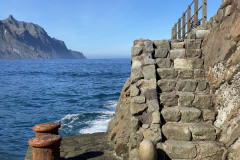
(79, 94)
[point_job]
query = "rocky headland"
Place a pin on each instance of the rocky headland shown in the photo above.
(21, 40)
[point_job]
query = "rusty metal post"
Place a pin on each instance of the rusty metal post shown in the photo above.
(188, 19)
(46, 147)
(179, 28)
(172, 33)
(46, 129)
(195, 13)
(183, 25)
(204, 12)
(175, 31)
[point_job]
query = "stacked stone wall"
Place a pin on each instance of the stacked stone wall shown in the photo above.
(171, 104)
(184, 95)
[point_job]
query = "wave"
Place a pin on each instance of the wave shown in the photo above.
(83, 123)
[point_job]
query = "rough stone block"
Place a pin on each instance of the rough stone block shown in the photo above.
(166, 85)
(134, 124)
(151, 94)
(137, 108)
(167, 73)
(143, 85)
(210, 150)
(148, 60)
(149, 72)
(177, 45)
(193, 53)
(183, 63)
(156, 117)
(153, 134)
(193, 43)
(138, 99)
(171, 114)
(136, 74)
(149, 46)
(135, 140)
(161, 53)
(202, 85)
(203, 101)
(190, 115)
(134, 91)
(163, 62)
(187, 85)
(177, 53)
(153, 83)
(208, 115)
(186, 100)
(136, 51)
(180, 149)
(197, 63)
(202, 132)
(136, 64)
(200, 34)
(163, 47)
(169, 99)
(145, 126)
(185, 74)
(176, 131)
(199, 73)
(153, 105)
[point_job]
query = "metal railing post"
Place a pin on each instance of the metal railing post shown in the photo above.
(188, 19)
(183, 25)
(204, 12)
(179, 28)
(195, 13)
(172, 33)
(175, 31)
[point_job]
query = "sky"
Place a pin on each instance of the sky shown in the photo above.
(102, 28)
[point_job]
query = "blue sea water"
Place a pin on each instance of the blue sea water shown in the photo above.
(79, 94)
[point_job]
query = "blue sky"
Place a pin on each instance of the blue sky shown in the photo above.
(102, 28)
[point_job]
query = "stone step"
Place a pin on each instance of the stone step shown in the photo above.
(188, 63)
(205, 150)
(198, 100)
(199, 33)
(177, 45)
(189, 131)
(187, 115)
(174, 73)
(179, 62)
(169, 85)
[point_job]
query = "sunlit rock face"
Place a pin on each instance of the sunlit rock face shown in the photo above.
(221, 49)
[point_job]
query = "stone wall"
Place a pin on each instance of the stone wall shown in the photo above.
(184, 95)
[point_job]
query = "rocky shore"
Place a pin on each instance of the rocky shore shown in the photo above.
(83, 147)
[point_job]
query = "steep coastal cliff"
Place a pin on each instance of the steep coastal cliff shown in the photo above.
(184, 95)
(21, 40)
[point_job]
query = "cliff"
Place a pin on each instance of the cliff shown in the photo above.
(21, 40)
(183, 95)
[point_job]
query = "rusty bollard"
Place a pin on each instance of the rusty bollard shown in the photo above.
(46, 147)
(46, 129)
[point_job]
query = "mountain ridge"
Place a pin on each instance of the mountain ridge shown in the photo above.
(22, 40)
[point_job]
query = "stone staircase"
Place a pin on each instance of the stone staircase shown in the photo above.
(186, 104)
(171, 102)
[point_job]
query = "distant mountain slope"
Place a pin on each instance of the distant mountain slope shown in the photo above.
(21, 40)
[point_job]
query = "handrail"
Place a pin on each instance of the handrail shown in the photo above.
(179, 29)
